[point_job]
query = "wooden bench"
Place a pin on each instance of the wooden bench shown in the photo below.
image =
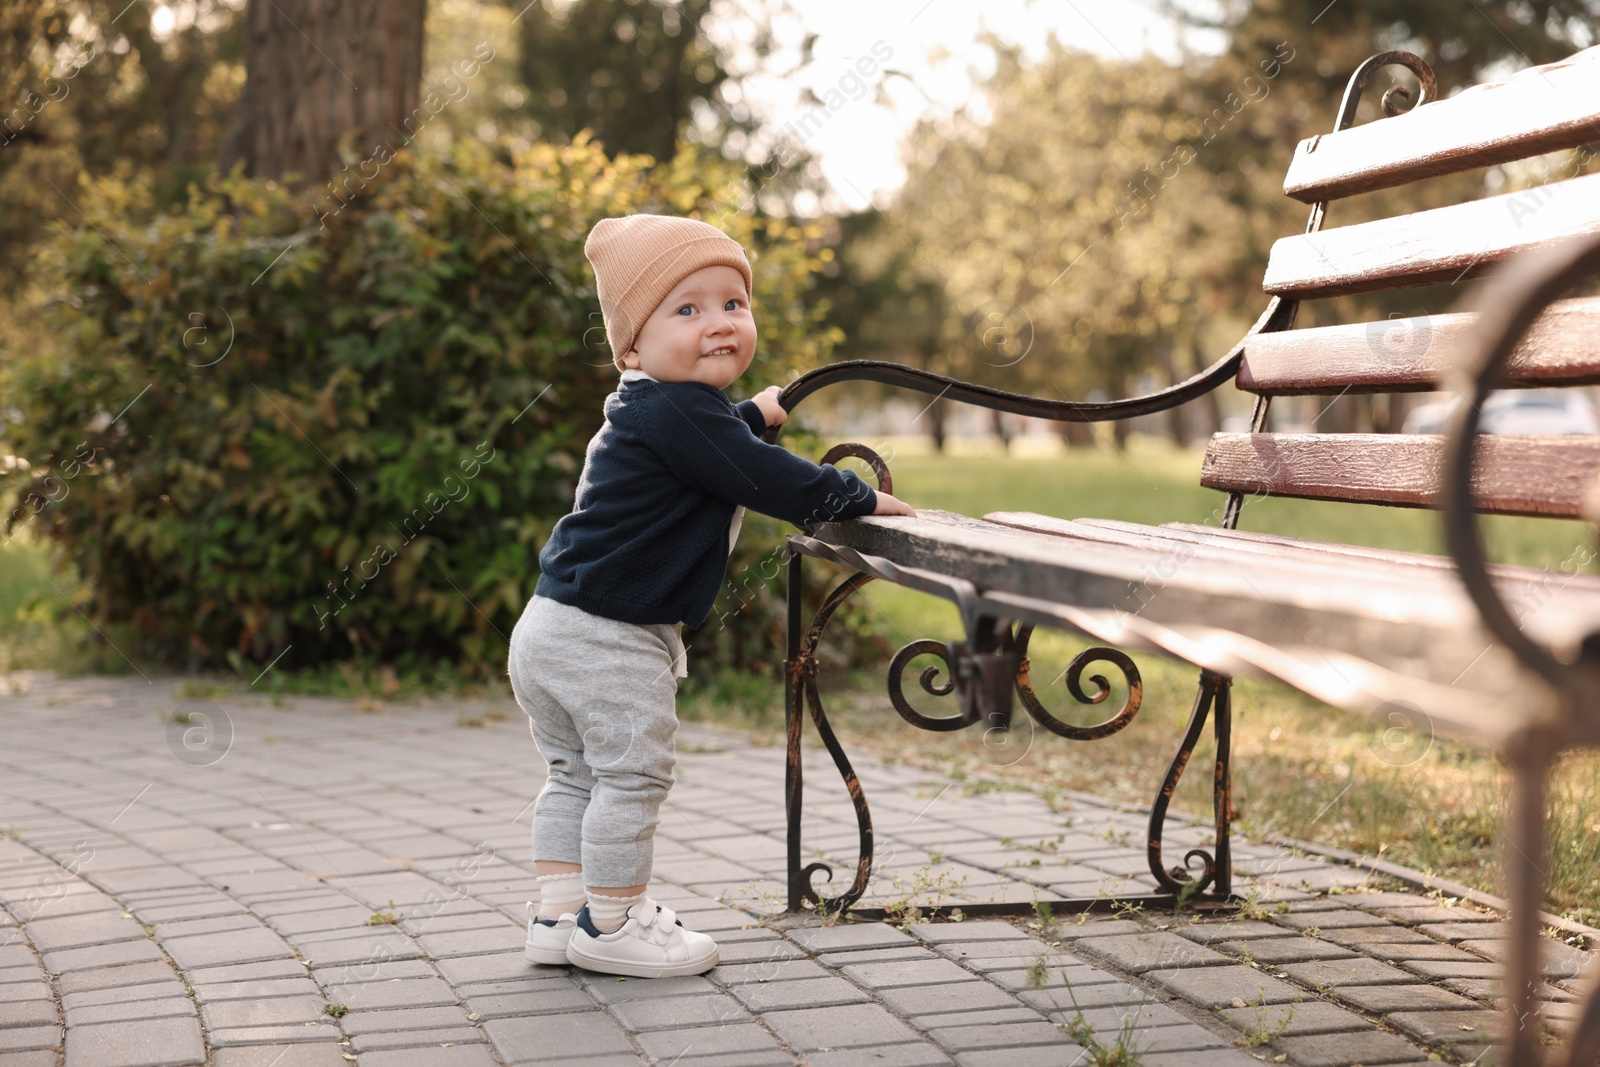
(1372, 631)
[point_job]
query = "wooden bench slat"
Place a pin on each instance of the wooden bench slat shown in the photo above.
(1517, 475)
(1540, 109)
(1413, 354)
(1425, 627)
(1445, 244)
(1575, 591)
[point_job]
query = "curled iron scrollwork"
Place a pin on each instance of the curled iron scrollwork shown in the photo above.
(928, 680)
(1074, 680)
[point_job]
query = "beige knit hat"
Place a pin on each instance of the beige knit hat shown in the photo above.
(637, 259)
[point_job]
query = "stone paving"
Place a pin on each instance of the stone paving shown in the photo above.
(231, 882)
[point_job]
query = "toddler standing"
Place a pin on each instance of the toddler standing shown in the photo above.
(597, 653)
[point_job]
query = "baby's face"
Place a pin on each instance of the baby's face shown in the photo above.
(702, 332)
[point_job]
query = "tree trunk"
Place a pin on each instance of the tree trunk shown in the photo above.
(1001, 429)
(319, 70)
(936, 416)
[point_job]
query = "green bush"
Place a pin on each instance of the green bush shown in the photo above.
(253, 427)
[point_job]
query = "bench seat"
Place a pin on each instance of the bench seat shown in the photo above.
(1360, 628)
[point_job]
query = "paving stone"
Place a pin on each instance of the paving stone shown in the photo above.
(1110, 1021)
(1024, 949)
(1556, 961)
(845, 1026)
(1219, 987)
(1178, 1037)
(28, 1038)
(123, 1012)
(997, 1035)
(234, 947)
(1278, 951)
(1214, 933)
(956, 996)
(882, 955)
(1425, 912)
(115, 977)
(1362, 936)
(1085, 980)
(818, 992)
(1137, 953)
(659, 1013)
(98, 957)
(1329, 920)
(1017, 1013)
(936, 933)
(551, 1038)
(272, 1035)
(276, 1011)
(909, 972)
(1072, 929)
(248, 972)
(77, 931)
(836, 938)
(669, 1046)
(1306, 1017)
(557, 998)
(465, 1034)
(1383, 999)
(609, 990)
(767, 971)
(1320, 974)
(1432, 950)
(755, 951)
(322, 1054)
(122, 994)
(1217, 1057)
(1437, 1027)
(146, 1043)
(38, 1012)
(455, 1056)
(1467, 931)
(1366, 1047)
(261, 989)
(373, 1021)
(918, 1055)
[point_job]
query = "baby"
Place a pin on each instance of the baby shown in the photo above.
(597, 653)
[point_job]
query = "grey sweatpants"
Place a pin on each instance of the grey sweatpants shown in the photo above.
(602, 697)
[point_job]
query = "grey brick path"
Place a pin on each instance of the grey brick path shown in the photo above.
(311, 884)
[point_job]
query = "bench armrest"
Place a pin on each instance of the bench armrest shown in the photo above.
(1278, 316)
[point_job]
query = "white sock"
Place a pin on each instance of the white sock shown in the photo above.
(560, 894)
(609, 913)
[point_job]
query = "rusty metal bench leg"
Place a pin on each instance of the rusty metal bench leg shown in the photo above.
(1213, 699)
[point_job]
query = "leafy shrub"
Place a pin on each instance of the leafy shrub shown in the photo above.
(257, 428)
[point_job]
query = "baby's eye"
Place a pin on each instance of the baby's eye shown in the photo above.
(735, 302)
(686, 307)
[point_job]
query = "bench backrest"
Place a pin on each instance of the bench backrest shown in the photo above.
(1539, 110)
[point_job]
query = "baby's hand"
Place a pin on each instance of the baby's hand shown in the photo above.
(767, 401)
(888, 505)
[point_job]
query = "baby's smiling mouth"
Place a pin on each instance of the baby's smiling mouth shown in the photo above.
(725, 350)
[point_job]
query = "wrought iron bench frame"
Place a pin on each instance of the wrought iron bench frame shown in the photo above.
(992, 659)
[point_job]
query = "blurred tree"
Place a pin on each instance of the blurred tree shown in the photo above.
(633, 71)
(318, 73)
(102, 86)
(886, 303)
(1067, 267)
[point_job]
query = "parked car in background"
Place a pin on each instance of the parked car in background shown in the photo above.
(1516, 411)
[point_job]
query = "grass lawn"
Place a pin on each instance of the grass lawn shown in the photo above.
(1301, 769)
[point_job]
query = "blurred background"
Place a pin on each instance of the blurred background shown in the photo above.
(299, 352)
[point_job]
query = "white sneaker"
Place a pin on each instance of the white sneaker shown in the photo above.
(650, 943)
(547, 938)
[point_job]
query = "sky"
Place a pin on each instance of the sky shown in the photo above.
(934, 43)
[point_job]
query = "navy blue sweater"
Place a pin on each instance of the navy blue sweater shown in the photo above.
(647, 540)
